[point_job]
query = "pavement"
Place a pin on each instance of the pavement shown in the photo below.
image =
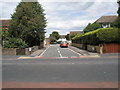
(82, 52)
(39, 52)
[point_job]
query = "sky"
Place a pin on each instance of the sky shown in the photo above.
(65, 16)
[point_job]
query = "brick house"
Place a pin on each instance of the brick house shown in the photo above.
(5, 24)
(106, 20)
(4, 27)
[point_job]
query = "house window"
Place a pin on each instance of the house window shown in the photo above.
(105, 25)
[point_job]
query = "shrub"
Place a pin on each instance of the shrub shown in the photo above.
(101, 35)
(109, 35)
(15, 43)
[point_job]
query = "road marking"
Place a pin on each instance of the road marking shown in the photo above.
(74, 51)
(59, 52)
(44, 51)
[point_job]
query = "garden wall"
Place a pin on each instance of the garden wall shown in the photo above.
(93, 48)
(19, 51)
(77, 45)
(8, 51)
(105, 48)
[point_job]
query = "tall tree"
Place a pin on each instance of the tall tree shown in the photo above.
(28, 23)
(118, 21)
(118, 8)
(92, 27)
(54, 36)
(67, 37)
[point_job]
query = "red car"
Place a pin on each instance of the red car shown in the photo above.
(64, 44)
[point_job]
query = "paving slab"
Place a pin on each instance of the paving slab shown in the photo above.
(82, 52)
(39, 52)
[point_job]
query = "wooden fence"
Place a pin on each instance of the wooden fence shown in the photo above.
(111, 48)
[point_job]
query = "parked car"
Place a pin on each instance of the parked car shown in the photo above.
(64, 44)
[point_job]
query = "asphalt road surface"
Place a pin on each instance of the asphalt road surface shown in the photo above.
(71, 72)
(57, 51)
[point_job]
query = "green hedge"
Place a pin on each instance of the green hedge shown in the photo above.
(15, 43)
(109, 35)
(101, 35)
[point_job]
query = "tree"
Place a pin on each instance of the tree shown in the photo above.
(28, 23)
(92, 27)
(118, 9)
(54, 36)
(72, 35)
(117, 22)
(67, 37)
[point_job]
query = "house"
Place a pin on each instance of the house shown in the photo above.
(46, 41)
(106, 20)
(62, 36)
(75, 32)
(5, 24)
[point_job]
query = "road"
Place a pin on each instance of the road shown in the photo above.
(56, 51)
(68, 70)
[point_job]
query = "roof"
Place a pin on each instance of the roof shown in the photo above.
(62, 36)
(106, 19)
(76, 32)
(5, 22)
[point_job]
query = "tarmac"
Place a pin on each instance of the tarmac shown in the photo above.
(78, 50)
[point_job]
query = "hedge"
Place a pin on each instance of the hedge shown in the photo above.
(109, 35)
(101, 35)
(15, 43)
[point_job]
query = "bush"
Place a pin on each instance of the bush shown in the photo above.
(15, 43)
(101, 35)
(109, 35)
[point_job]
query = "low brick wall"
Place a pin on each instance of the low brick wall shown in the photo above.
(19, 51)
(93, 48)
(34, 48)
(25, 51)
(103, 48)
(77, 45)
(8, 51)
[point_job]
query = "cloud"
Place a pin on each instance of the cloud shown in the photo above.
(76, 15)
(68, 16)
(8, 8)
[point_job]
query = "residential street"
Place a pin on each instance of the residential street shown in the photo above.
(60, 68)
(56, 51)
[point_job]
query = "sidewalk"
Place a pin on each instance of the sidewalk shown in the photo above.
(39, 52)
(82, 52)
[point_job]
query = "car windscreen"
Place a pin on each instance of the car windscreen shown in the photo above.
(63, 42)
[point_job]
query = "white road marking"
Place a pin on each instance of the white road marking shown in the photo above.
(44, 51)
(59, 52)
(74, 51)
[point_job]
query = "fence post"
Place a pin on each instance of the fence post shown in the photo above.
(101, 48)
